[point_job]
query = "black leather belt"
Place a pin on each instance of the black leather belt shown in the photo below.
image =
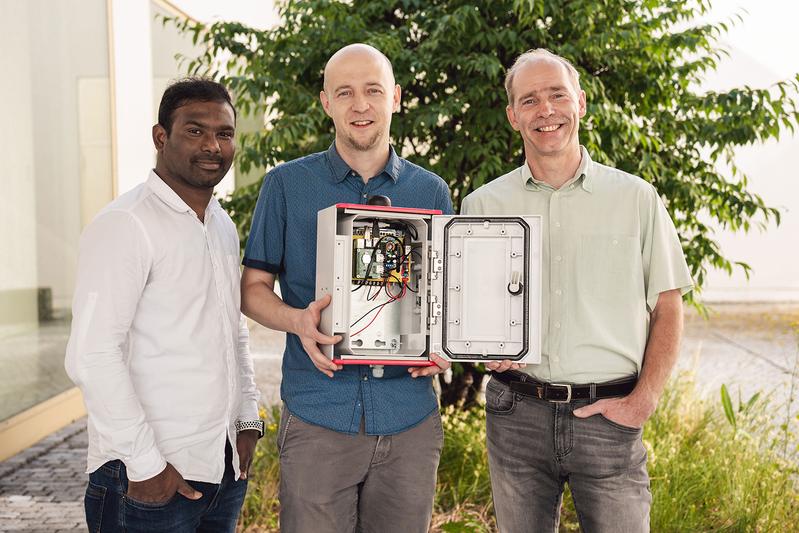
(563, 392)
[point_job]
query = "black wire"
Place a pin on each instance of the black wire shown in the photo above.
(370, 310)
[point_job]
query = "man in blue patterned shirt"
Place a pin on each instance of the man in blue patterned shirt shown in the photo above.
(354, 451)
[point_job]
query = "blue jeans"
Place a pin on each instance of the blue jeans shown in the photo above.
(109, 509)
(535, 446)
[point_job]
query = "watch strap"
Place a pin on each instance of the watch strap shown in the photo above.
(243, 425)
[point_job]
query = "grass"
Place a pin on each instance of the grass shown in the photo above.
(715, 466)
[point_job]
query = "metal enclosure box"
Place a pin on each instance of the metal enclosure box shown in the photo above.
(465, 287)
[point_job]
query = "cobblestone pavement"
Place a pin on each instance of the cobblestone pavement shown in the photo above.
(748, 347)
(41, 488)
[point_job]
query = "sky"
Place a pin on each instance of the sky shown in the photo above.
(767, 33)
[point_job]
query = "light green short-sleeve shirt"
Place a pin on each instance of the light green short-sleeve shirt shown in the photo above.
(609, 249)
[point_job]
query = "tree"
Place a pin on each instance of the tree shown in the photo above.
(640, 61)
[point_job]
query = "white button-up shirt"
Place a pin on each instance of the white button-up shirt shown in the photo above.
(158, 346)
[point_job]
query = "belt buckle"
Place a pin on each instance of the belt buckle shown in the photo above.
(566, 386)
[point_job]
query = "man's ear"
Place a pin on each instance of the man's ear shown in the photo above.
(582, 104)
(325, 102)
(511, 114)
(397, 98)
(159, 137)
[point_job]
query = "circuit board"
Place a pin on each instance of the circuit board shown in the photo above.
(381, 258)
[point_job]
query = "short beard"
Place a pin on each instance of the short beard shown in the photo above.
(363, 147)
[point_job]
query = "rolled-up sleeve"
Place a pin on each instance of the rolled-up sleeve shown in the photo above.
(114, 262)
(266, 241)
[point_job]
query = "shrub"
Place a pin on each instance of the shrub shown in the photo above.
(714, 467)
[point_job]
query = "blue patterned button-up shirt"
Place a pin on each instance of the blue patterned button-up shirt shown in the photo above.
(282, 241)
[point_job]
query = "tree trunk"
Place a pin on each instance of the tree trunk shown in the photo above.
(464, 388)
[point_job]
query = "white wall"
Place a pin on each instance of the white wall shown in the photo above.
(56, 45)
(762, 51)
(133, 91)
(17, 181)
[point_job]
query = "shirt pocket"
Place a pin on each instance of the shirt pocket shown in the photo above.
(609, 266)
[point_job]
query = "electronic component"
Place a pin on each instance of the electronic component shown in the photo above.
(380, 258)
(475, 284)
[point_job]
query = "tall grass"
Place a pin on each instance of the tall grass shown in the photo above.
(261, 507)
(719, 466)
(710, 470)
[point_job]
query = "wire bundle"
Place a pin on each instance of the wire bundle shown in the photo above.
(402, 262)
(391, 299)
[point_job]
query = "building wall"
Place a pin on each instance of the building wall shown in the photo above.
(772, 171)
(58, 142)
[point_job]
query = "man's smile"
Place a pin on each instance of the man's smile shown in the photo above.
(362, 123)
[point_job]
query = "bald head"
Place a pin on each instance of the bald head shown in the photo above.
(354, 53)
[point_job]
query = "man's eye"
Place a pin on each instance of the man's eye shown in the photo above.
(226, 135)
(375, 91)
(195, 131)
(343, 94)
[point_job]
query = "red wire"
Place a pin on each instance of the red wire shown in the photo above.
(373, 319)
(392, 299)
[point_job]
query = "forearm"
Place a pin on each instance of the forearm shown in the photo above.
(662, 349)
(260, 303)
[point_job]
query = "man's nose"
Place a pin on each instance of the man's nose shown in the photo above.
(211, 144)
(360, 104)
(545, 109)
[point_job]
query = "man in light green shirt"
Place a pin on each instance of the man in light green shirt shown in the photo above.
(613, 275)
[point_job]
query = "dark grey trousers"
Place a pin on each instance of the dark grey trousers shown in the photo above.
(535, 446)
(339, 483)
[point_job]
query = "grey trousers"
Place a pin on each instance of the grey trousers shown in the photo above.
(535, 446)
(334, 482)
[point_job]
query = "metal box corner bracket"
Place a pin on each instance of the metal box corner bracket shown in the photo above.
(470, 287)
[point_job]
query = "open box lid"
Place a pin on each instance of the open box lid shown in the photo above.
(485, 288)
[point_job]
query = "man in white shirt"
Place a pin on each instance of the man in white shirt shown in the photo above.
(158, 346)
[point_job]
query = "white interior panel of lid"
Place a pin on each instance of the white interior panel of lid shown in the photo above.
(485, 286)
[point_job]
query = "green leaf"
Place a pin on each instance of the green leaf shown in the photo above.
(726, 403)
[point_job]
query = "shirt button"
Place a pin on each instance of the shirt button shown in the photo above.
(558, 258)
(556, 359)
(557, 224)
(615, 241)
(558, 292)
(366, 378)
(364, 196)
(557, 325)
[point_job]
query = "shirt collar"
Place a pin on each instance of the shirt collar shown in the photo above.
(341, 169)
(583, 174)
(171, 198)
